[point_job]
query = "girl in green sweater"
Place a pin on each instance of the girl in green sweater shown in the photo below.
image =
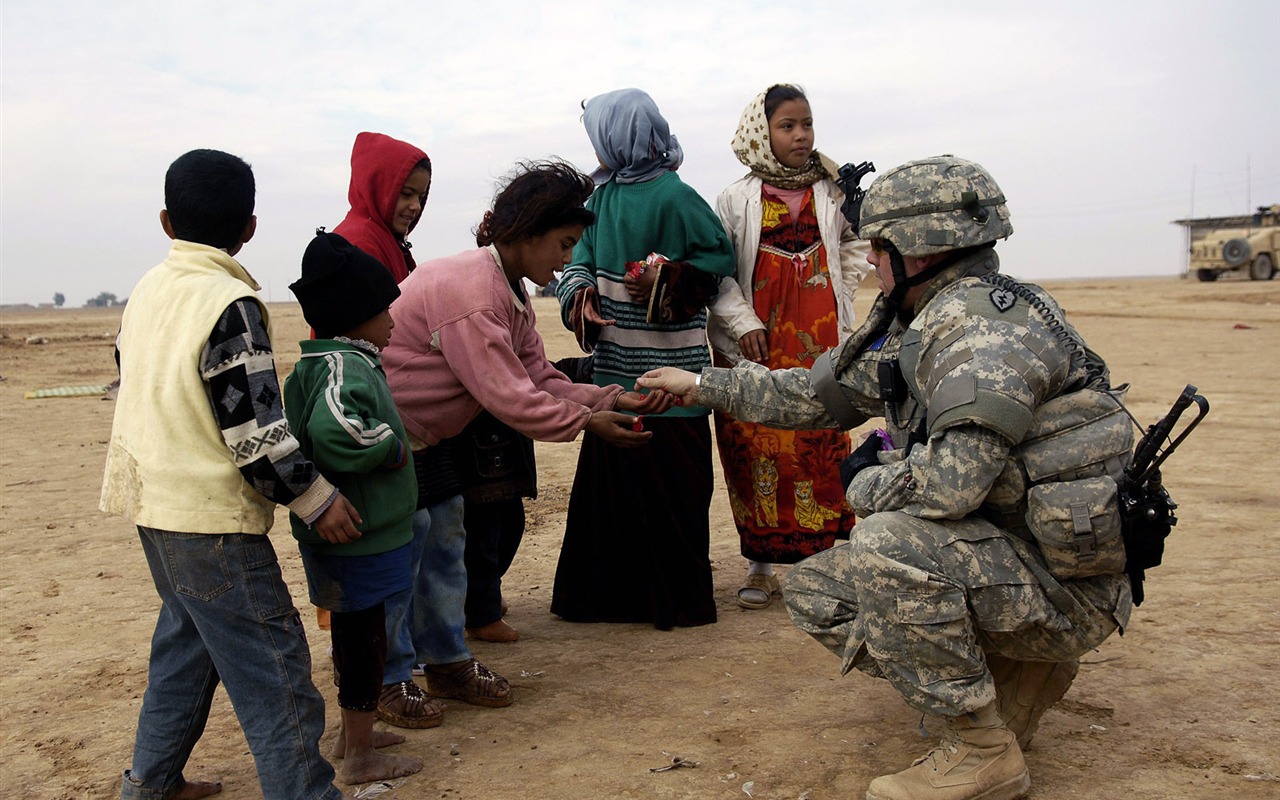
(637, 536)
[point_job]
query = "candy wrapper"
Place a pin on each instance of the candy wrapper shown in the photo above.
(653, 260)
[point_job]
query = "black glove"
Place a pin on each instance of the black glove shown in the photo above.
(865, 455)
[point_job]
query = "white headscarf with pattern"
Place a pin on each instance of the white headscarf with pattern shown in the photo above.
(752, 146)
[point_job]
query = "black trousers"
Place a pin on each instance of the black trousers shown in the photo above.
(359, 655)
(494, 532)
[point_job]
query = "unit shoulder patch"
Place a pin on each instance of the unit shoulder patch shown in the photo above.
(1003, 299)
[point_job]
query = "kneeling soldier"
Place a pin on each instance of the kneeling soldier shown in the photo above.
(987, 556)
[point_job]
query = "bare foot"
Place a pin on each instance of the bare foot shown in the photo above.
(191, 790)
(375, 766)
(380, 739)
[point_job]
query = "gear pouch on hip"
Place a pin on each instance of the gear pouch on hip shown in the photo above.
(1076, 524)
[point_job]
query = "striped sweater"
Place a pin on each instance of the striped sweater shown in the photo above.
(665, 216)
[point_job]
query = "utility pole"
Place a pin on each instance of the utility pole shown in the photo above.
(1191, 214)
(1248, 184)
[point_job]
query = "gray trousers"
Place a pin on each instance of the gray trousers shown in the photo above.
(919, 603)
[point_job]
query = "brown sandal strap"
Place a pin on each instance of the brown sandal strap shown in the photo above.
(405, 705)
(470, 682)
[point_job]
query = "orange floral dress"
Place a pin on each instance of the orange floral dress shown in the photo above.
(784, 486)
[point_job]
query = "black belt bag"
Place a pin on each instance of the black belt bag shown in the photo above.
(493, 461)
(437, 477)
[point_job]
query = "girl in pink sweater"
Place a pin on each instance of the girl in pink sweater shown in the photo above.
(465, 340)
(465, 336)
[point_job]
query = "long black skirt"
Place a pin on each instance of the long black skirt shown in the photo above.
(637, 536)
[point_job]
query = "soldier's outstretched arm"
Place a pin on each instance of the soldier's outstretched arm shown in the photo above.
(786, 398)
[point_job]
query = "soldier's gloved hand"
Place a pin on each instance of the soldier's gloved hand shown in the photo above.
(865, 455)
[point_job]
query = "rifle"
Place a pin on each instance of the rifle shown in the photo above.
(848, 180)
(1146, 509)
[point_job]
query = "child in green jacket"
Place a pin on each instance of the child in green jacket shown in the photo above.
(340, 409)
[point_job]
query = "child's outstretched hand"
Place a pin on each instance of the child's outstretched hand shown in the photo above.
(585, 308)
(337, 523)
(617, 430)
(654, 402)
(585, 318)
(669, 379)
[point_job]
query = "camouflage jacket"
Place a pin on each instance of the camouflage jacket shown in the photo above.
(970, 369)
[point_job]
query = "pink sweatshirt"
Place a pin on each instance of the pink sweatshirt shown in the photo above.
(463, 341)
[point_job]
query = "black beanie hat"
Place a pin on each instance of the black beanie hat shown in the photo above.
(341, 285)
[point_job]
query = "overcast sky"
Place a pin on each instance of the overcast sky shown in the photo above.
(1102, 121)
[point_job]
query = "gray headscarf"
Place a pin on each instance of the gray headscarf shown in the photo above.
(630, 137)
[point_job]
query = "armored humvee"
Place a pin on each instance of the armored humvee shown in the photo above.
(1249, 244)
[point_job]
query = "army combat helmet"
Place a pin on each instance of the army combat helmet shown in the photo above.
(933, 205)
(929, 206)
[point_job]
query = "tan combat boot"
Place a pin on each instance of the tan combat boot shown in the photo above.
(1027, 689)
(977, 759)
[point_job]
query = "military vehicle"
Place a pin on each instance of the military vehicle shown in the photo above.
(1248, 244)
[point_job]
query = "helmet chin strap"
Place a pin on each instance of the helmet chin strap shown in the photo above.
(902, 284)
(900, 280)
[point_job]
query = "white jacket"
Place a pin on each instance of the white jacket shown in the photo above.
(733, 315)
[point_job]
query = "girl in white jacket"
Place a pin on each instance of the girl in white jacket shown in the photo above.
(798, 266)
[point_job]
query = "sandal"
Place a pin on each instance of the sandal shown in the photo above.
(758, 591)
(405, 705)
(468, 681)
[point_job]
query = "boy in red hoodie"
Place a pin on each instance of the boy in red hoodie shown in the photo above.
(389, 184)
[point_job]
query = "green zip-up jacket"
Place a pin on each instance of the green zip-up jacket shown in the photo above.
(340, 409)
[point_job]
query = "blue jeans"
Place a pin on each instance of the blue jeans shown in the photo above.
(226, 615)
(425, 624)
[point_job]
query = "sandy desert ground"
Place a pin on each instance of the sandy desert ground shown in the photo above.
(1183, 706)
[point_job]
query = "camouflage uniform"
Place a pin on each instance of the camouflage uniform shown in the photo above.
(941, 568)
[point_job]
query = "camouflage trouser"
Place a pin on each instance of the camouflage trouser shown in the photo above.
(918, 602)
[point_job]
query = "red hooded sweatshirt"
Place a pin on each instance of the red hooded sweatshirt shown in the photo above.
(379, 167)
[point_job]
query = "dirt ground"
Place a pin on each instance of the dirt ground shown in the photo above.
(1184, 705)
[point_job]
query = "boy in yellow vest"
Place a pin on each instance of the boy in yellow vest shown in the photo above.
(200, 453)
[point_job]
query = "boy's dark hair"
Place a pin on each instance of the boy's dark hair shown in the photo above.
(779, 94)
(209, 197)
(542, 196)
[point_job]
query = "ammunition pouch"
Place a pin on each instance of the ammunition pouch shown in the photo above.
(1076, 525)
(1085, 434)
(1073, 456)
